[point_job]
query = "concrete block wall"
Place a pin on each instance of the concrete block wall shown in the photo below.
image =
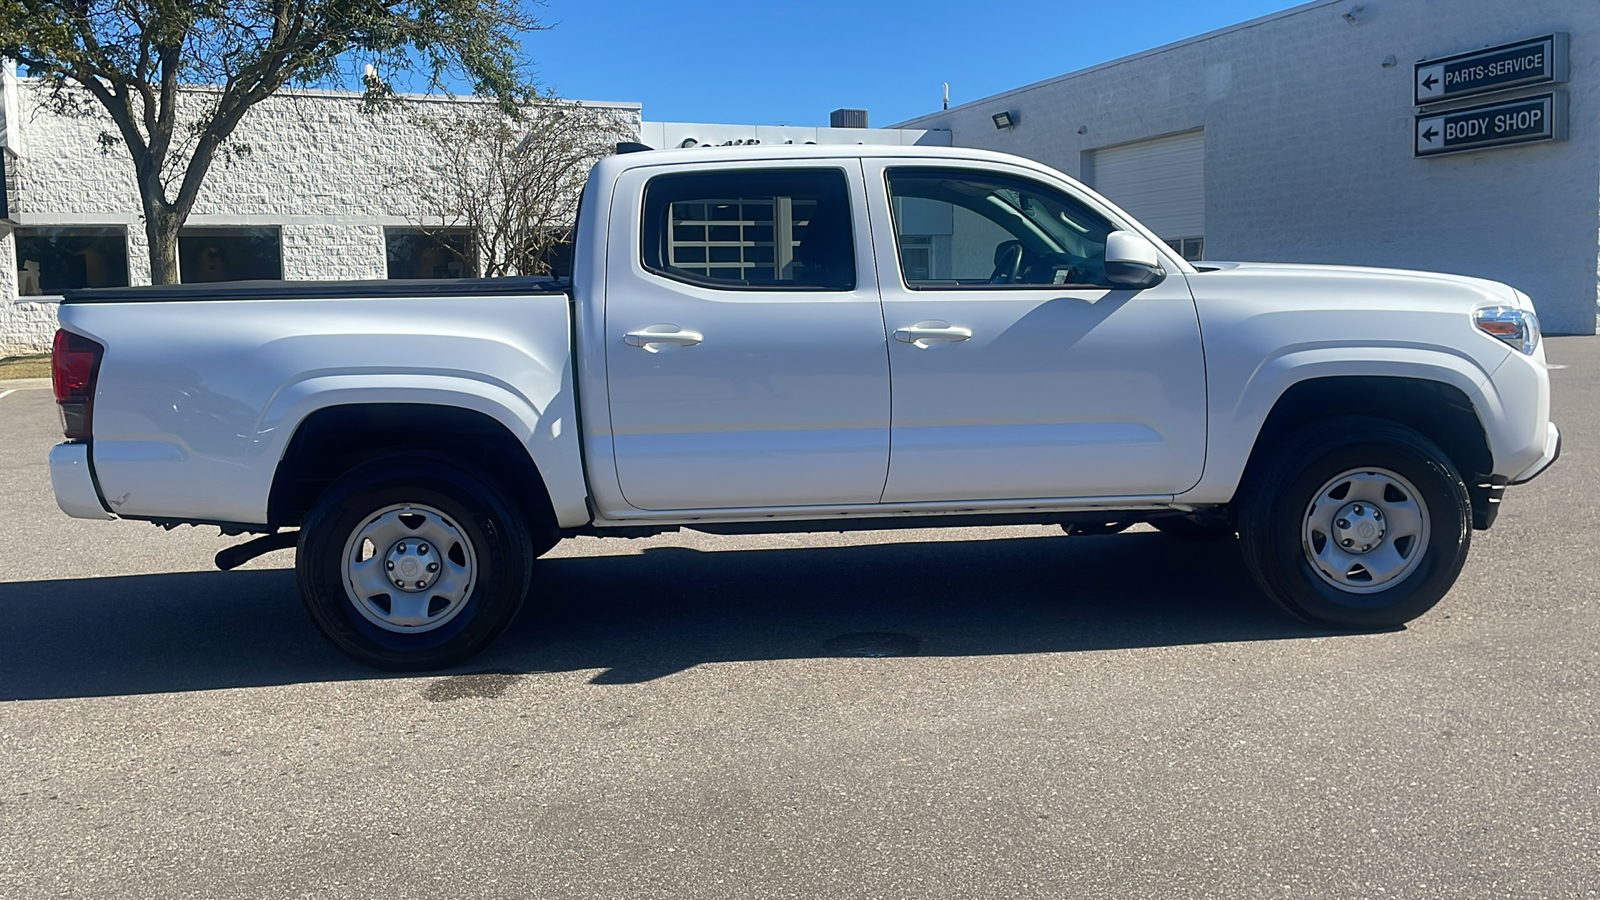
(329, 175)
(1309, 143)
(333, 252)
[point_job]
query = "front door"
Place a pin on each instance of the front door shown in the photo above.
(745, 348)
(1018, 370)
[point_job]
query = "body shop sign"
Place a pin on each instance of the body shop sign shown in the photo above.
(1526, 121)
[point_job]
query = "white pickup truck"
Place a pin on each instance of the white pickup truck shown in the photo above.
(809, 339)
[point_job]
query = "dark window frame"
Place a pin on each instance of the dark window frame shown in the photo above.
(655, 230)
(471, 264)
(21, 233)
(195, 232)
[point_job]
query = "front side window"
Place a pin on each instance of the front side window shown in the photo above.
(52, 260)
(778, 229)
(962, 229)
(207, 254)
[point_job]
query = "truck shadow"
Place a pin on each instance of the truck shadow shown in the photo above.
(642, 617)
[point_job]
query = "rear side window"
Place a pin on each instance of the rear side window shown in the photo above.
(769, 229)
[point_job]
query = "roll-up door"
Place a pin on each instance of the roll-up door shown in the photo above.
(1160, 182)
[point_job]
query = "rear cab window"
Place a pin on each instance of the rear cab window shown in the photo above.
(757, 229)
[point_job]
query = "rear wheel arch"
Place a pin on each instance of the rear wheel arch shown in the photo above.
(1439, 411)
(334, 440)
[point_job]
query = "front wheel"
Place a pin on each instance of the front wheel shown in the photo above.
(1357, 523)
(413, 564)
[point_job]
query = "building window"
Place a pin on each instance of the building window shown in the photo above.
(207, 254)
(435, 253)
(1192, 249)
(52, 260)
(917, 256)
(773, 229)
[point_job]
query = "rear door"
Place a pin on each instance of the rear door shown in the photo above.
(745, 349)
(1019, 371)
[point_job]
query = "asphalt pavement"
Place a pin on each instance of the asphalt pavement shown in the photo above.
(680, 717)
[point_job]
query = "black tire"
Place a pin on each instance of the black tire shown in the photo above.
(1187, 529)
(443, 498)
(1279, 543)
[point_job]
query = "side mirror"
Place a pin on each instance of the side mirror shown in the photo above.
(1132, 261)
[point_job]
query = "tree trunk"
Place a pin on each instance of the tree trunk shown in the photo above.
(161, 231)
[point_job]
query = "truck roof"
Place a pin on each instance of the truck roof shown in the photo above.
(780, 152)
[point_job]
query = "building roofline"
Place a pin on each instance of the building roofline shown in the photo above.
(1121, 60)
(337, 93)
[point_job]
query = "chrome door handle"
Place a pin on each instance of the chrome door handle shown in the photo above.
(670, 335)
(924, 334)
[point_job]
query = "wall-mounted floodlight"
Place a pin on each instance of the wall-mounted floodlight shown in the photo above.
(1004, 120)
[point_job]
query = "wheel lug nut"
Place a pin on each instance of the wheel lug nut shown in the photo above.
(400, 548)
(389, 564)
(433, 567)
(398, 583)
(422, 549)
(1358, 510)
(1348, 542)
(1377, 514)
(1343, 523)
(421, 585)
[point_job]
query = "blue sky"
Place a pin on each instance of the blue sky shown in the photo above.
(791, 62)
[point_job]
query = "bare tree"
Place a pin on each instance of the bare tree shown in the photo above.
(511, 180)
(131, 57)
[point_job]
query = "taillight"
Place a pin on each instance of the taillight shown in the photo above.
(74, 363)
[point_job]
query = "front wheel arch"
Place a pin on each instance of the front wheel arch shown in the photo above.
(1439, 411)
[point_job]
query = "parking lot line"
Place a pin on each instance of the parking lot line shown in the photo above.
(5, 394)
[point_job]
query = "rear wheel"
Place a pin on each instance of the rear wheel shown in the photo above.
(1357, 523)
(413, 563)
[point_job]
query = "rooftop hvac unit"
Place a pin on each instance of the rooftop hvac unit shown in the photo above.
(848, 118)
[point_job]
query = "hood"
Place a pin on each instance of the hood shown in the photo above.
(1367, 278)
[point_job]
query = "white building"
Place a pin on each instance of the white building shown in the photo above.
(1295, 136)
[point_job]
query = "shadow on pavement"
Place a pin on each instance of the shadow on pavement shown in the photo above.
(642, 617)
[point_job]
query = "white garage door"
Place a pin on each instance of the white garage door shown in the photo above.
(1160, 182)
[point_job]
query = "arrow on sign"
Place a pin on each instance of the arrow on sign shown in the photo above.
(1430, 81)
(1430, 134)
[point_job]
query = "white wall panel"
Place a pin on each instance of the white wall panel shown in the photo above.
(1160, 182)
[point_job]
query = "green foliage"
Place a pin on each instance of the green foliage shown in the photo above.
(132, 56)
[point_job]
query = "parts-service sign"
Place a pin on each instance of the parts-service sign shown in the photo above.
(1541, 60)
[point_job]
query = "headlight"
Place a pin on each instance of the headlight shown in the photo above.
(1517, 327)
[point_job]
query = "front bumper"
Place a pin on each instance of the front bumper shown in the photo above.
(1552, 452)
(74, 483)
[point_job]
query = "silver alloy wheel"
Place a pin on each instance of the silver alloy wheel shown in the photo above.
(1365, 530)
(409, 568)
